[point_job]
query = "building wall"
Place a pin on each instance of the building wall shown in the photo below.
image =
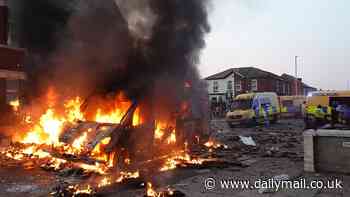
(281, 87)
(287, 89)
(240, 80)
(11, 86)
(12, 76)
(222, 87)
(2, 93)
(307, 90)
(3, 22)
(296, 87)
(11, 58)
(11, 63)
(265, 85)
(270, 83)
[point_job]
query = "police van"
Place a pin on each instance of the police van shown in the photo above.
(254, 108)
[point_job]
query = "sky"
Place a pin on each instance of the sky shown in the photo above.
(268, 34)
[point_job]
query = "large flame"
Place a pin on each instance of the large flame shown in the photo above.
(50, 125)
(159, 132)
(73, 110)
(45, 131)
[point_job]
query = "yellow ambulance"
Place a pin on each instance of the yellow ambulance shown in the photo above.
(320, 104)
(251, 107)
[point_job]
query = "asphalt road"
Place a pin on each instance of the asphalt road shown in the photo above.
(278, 152)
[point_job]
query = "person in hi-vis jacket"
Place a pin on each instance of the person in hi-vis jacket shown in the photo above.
(266, 107)
(256, 108)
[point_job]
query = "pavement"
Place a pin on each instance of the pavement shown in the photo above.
(278, 153)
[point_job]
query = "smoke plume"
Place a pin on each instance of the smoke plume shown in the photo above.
(143, 47)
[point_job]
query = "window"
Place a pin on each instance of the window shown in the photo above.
(242, 104)
(288, 90)
(287, 103)
(238, 86)
(12, 90)
(278, 86)
(215, 86)
(12, 86)
(229, 86)
(254, 85)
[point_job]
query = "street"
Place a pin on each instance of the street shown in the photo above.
(278, 151)
(165, 98)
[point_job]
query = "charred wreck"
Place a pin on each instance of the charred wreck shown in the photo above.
(116, 80)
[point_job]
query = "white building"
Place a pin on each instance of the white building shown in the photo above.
(221, 86)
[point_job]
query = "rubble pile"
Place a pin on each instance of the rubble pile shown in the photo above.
(240, 144)
(65, 190)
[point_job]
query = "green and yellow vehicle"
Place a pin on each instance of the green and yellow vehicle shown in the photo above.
(323, 107)
(252, 108)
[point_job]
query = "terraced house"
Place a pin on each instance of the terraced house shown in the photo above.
(234, 81)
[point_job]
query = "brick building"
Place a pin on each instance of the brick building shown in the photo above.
(234, 81)
(297, 85)
(251, 79)
(11, 63)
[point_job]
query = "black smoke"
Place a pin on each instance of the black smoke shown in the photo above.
(150, 48)
(39, 26)
(40, 23)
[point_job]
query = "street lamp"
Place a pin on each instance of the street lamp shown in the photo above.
(296, 66)
(296, 74)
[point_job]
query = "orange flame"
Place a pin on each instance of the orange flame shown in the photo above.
(172, 138)
(73, 110)
(87, 190)
(15, 105)
(50, 125)
(79, 142)
(150, 191)
(159, 132)
(47, 131)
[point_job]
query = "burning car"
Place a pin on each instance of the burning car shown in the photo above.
(119, 92)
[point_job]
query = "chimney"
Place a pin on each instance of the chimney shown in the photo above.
(3, 22)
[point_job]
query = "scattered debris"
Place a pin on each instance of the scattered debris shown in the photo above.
(247, 161)
(151, 192)
(65, 190)
(247, 141)
(21, 188)
(225, 150)
(278, 178)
